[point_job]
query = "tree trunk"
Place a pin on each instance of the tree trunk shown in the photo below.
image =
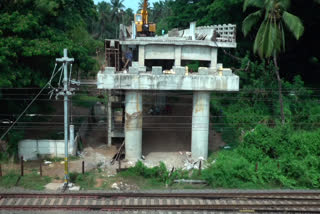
(280, 88)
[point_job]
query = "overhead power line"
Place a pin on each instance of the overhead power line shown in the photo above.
(34, 99)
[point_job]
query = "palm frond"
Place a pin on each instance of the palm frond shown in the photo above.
(253, 3)
(294, 24)
(259, 36)
(250, 21)
(268, 40)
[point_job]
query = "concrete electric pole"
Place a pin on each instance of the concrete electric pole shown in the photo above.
(66, 92)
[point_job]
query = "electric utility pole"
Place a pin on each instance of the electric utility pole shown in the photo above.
(66, 92)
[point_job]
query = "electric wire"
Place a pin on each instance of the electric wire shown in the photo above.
(6, 132)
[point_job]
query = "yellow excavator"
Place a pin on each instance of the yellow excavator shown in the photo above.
(143, 26)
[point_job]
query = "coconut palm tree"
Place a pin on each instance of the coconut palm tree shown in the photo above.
(117, 6)
(273, 17)
(117, 12)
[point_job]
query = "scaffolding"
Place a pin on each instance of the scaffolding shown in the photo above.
(113, 53)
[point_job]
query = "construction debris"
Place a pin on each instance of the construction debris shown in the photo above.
(190, 181)
(119, 153)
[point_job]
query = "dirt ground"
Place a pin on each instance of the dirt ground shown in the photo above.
(169, 141)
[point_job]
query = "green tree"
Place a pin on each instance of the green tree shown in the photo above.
(103, 29)
(270, 38)
(117, 12)
(128, 17)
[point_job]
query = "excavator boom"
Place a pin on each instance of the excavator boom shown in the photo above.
(143, 26)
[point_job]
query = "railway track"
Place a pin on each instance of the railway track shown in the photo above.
(294, 202)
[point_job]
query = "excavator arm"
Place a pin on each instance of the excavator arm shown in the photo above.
(143, 26)
(144, 12)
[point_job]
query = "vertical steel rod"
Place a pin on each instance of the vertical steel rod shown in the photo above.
(82, 167)
(21, 165)
(40, 169)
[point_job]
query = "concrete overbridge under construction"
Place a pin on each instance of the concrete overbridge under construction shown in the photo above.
(145, 75)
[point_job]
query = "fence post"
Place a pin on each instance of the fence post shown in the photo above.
(257, 167)
(119, 164)
(0, 170)
(200, 167)
(82, 167)
(21, 164)
(40, 169)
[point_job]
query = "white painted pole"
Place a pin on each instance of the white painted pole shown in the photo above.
(72, 149)
(65, 60)
(65, 90)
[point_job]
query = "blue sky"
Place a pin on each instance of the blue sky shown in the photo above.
(129, 3)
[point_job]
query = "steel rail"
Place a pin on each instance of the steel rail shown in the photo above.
(248, 195)
(300, 208)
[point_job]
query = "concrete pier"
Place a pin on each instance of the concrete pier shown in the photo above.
(200, 124)
(133, 125)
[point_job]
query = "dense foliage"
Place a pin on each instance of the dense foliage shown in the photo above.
(34, 32)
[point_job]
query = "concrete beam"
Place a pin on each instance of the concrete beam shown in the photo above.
(133, 125)
(200, 125)
(177, 42)
(149, 81)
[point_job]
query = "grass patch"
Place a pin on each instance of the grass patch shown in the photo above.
(86, 100)
(31, 181)
(34, 181)
(9, 180)
(86, 181)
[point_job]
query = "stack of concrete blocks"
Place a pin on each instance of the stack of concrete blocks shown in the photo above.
(179, 70)
(137, 69)
(109, 70)
(156, 70)
(226, 32)
(226, 72)
(203, 71)
(223, 71)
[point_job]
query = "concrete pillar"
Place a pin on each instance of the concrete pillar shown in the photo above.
(200, 124)
(134, 30)
(177, 56)
(214, 58)
(133, 125)
(193, 30)
(141, 55)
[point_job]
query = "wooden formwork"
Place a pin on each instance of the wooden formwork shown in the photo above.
(113, 53)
